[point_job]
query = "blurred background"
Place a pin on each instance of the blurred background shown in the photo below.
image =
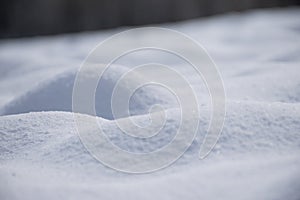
(21, 18)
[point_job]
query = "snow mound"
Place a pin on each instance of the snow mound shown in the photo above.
(55, 94)
(274, 128)
(34, 140)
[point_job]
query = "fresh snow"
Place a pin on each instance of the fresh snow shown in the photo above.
(256, 157)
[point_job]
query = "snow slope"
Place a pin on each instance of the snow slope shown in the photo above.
(257, 156)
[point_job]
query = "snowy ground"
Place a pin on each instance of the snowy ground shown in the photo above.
(257, 156)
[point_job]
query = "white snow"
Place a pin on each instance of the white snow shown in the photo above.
(257, 156)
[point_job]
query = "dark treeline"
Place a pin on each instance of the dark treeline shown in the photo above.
(39, 17)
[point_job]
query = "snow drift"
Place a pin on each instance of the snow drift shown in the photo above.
(257, 156)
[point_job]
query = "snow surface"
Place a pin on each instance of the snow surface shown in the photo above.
(257, 156)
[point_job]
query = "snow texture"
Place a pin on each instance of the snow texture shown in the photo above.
(257, 156)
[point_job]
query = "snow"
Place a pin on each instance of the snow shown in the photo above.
(257, 156)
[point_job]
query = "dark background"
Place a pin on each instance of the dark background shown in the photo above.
(42, 17)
